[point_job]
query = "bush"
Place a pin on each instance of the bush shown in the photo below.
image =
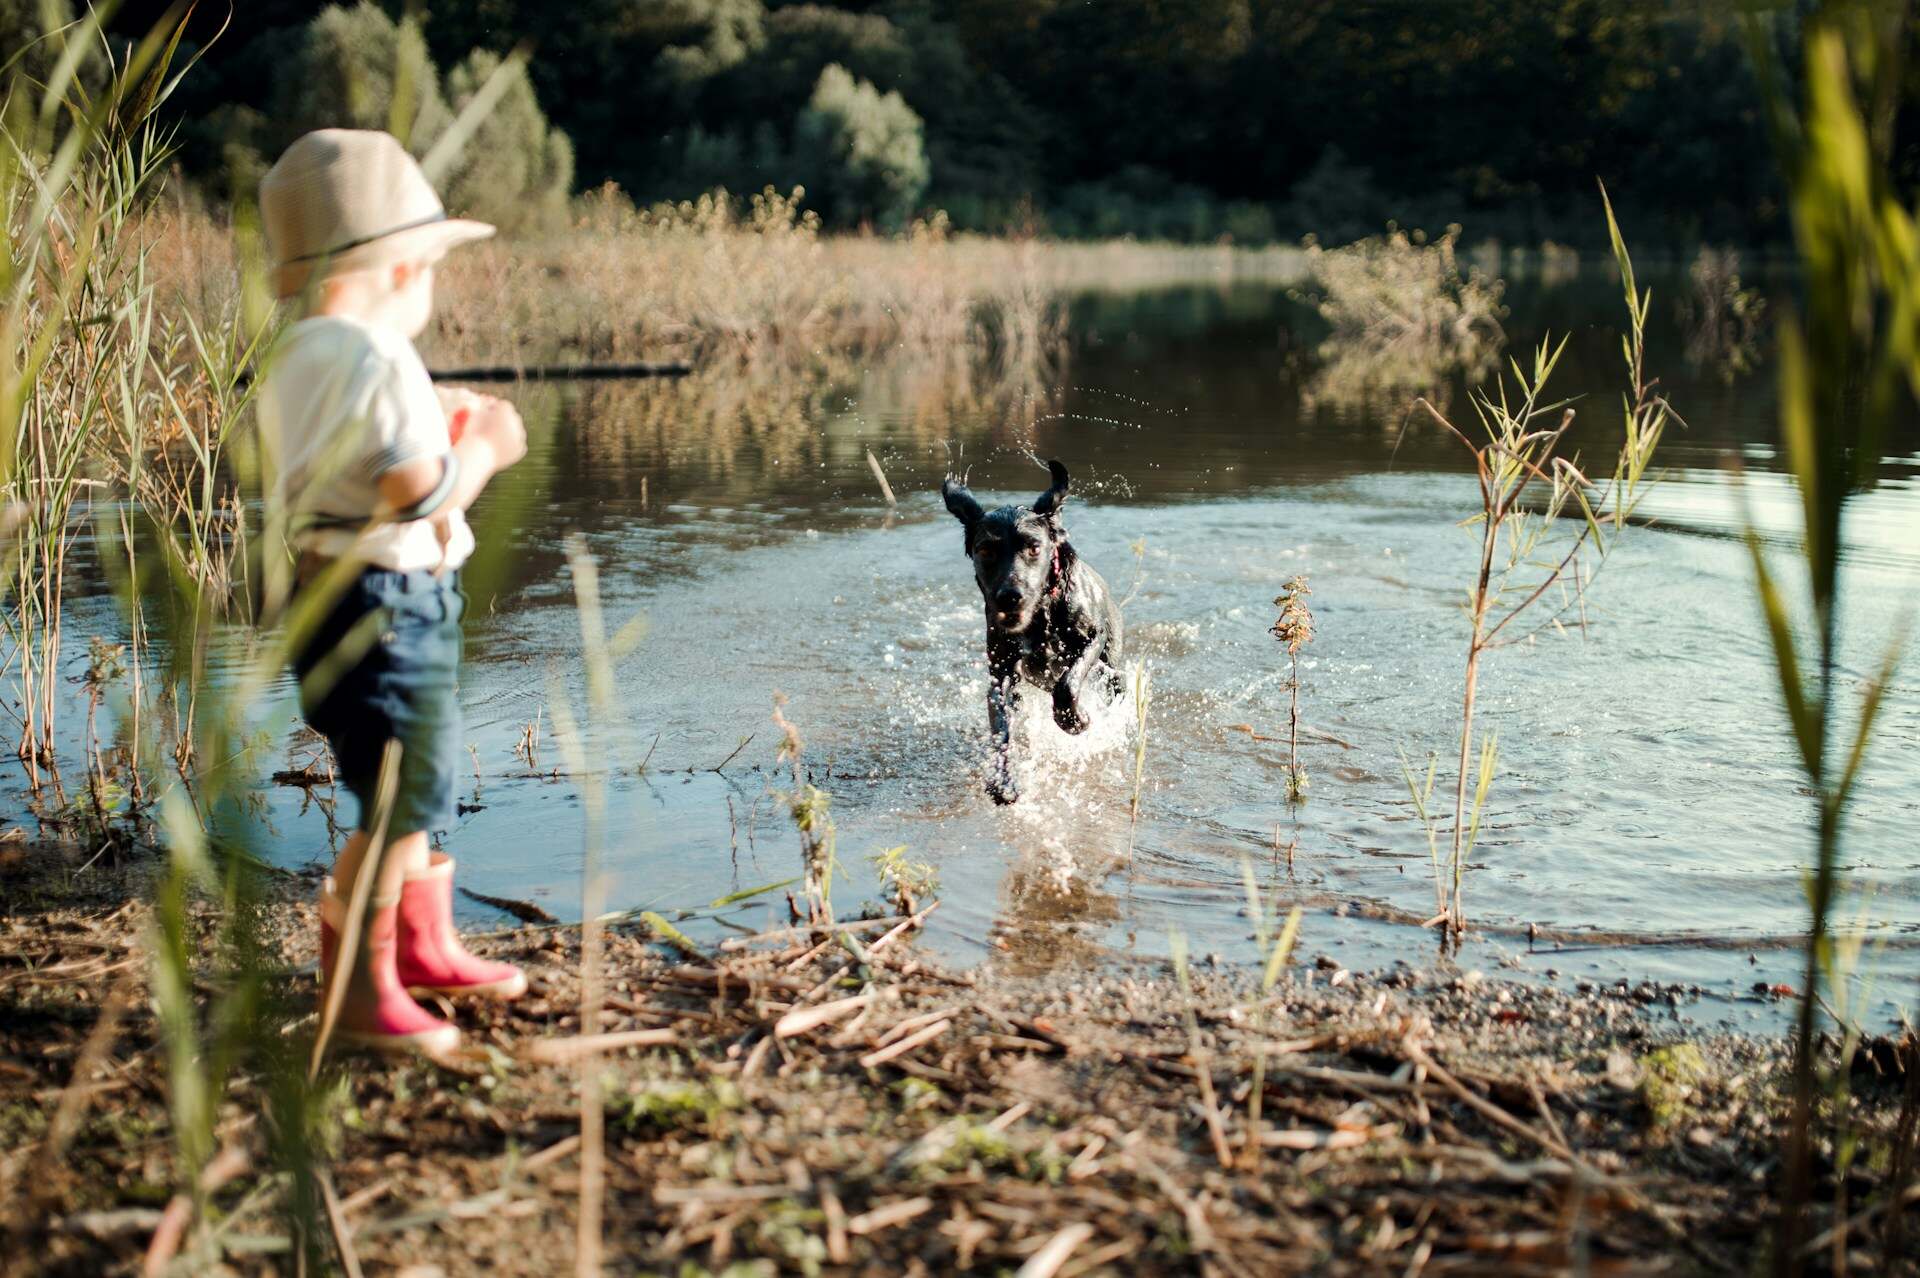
(860, 151)
(1402, 319)
(349, 68)
(517, 170)
(1336, 201)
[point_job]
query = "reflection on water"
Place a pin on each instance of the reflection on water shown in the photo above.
(1646, 784)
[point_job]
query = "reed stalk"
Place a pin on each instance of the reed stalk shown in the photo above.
(586, 741)
(1275, 949)
(1845, 367)
(1522, 553)
(1197, 1052)
(1142, 702)
(1294, 631)
(811, 810)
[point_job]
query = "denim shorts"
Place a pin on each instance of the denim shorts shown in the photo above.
(403, 687)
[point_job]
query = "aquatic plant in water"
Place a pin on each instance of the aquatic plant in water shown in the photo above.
(1294, 630)
(809, 806)
(1723, 318)
(1403, 319)
(1527, 485)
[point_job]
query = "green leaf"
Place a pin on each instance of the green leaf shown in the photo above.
(1620, 256)
(672, 935)
(1282, 949)
(1806, 726)
(1797, 432)
(734, 898)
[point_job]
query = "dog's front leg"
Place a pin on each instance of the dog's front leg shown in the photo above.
(1003, 695)
(1069, 695)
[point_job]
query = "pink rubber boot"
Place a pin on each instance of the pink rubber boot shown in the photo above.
(431, 955)
(376, 1012)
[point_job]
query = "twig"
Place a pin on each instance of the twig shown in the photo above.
(337, 1223)
(744, 743)
(1480, 1105)
(737, 943)
(525, 911)
(802, 1019)
(837, 1250)
(886, 489)
(899, 1213)
(905, 1045)
(564, 372)
(1047, 1261)
(554, 1051)
(551, 1154)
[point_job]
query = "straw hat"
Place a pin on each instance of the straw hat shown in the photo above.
(349, 199)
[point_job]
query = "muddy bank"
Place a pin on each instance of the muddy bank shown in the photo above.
(788, 1106)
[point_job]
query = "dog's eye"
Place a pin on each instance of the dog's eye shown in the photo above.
(1030, 551)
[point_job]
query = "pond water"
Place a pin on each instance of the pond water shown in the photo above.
(1647, 811)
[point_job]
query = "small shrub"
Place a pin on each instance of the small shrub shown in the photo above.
(861, 151)
(347, 74)
(359, 69)
(1722, 317)
(517, 171)
(1337, 200)
(1668, 1077)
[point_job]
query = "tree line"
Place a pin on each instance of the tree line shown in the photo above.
(1255, 120)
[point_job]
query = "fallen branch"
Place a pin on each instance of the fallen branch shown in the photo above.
(525, 911)
(556, 1051)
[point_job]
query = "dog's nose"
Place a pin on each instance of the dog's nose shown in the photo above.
(1007, 600)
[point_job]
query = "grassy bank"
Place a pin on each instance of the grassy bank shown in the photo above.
(780, 1107)
(722, 280)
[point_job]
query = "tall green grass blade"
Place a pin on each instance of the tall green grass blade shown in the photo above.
(1281, 951)
(446, 149)
(672, 935)
(1801, 716)
(734, 898)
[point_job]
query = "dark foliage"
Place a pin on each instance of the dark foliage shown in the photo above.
(1191, 119)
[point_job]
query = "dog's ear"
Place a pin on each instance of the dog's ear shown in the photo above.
(960, 502)
(1064, 554)
(1048, 504)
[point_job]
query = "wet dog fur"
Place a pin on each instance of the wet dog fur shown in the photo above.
(1051, 621)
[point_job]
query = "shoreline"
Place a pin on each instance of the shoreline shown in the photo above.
(926, 1120)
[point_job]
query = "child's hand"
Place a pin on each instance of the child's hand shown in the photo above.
(459, 406)
(496, 423)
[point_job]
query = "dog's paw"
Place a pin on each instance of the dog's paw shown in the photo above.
(1002, 790)
(1068, 714)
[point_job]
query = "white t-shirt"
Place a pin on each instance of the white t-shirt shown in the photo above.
(343, 403)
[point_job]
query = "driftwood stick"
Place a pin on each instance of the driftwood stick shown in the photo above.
(563, 372)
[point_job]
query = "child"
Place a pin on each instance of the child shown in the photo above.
(357, 440)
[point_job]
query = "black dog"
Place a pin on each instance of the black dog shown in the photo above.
(1050, 618)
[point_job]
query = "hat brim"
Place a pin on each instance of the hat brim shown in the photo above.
(427, 243)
